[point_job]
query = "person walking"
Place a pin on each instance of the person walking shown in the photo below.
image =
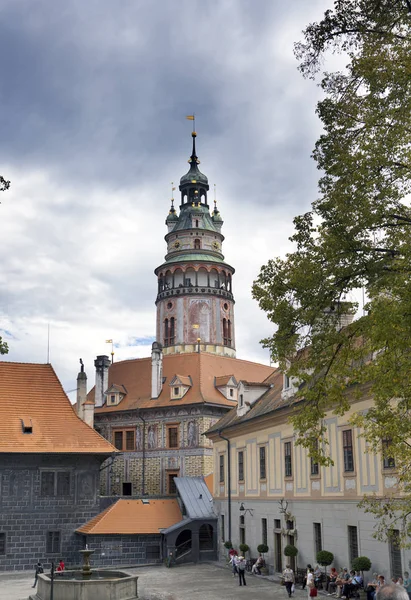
(241, 570)
(310, 581)
(38, 570)
(288, 576)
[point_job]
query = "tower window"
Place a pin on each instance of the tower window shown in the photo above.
(169, 331)
(196, 222)
(197, 243)
(225, 332)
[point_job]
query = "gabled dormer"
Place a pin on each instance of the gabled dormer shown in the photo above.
(179, 386)
(115, 394)
(227, 386)
(290, 385)
(248, 394)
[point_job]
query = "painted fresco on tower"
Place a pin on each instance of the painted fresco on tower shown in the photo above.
(199, 313)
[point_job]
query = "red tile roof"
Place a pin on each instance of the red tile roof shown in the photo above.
(134, 516)
(33, 393)
(202, 368)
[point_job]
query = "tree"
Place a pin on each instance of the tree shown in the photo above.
(361, 563)
(324, 558)
(357, 236)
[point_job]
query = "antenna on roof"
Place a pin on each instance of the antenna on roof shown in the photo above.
(48, 343)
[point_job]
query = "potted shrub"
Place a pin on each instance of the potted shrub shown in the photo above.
(263, 549)
(361, 563)
(292, 552)
(325, 558)
(244, 548)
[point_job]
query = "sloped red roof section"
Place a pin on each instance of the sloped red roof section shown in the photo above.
(31, 394)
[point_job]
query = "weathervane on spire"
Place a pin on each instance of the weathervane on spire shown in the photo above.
(193, 119)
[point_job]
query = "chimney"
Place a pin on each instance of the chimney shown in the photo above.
(102, 364)
(156, 369)
(81, 391)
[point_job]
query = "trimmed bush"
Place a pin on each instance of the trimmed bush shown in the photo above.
(262, 548)
(325, 558)
(228, 545)
(290, 550)
(362, 563)
(244, 548)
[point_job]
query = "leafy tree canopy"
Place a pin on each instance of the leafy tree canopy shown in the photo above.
(357, 236)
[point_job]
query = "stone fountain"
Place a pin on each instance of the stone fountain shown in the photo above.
(87, 584)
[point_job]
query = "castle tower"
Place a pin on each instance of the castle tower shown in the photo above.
(195, 303)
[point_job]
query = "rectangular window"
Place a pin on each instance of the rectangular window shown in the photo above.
(2, 543)
(222, 528)
(317, 538)
(127, 488)
(53, 542)
(113, 398)
(47, 483)
(63, 483)
(277, 523)
(172, 488)
(314, 465)
(241, 400)
(388, 461)
(118, 440)
(125, 439)
(153, 552)
(352, 543)
(176, 391)
(264, 533)
(172, 437)
(130, 443)
(348, 450)
(288, 469)
(222, 468)
(395, 554)
(241, 466)
(231, 392)
(263, 472)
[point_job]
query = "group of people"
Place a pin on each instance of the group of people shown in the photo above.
(39, 569)
(344, 584)
(238, 566)
(379, 582)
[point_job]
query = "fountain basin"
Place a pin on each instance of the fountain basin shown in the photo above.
(101, 585)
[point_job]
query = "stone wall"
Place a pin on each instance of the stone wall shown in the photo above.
(125, 550)
(26, 516)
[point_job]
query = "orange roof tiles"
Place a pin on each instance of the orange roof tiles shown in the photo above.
(134, 516)
(223, 380)
(209, 481)
(202, 368)
(33, 393)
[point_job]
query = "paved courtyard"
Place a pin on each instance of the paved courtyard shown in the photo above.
(190, 582)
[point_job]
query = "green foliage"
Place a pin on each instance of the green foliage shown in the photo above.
(362, 563)
(3, 347)
(324, 558)
(228, 545)
(244, 548)
(290, 550)
(357, 235)
(262, 548)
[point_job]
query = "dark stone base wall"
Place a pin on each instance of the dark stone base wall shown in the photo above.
(123, 550)
(26, 516)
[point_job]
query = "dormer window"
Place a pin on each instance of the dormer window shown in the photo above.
(112, 399)
(241, 400)
(231, 393)
(286, 382)
(176, 391)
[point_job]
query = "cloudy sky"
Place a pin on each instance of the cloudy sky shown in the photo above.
(93, 97)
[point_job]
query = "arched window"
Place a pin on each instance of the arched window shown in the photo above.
(225, 331)
(229, 332)
(197, 244)
(172, 330)
(165, 332)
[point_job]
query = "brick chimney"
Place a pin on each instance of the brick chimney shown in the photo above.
(156, 369)
(102, 364)
(81, 391)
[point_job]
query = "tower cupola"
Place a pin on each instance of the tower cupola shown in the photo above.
(195, 302)
(194, 184)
